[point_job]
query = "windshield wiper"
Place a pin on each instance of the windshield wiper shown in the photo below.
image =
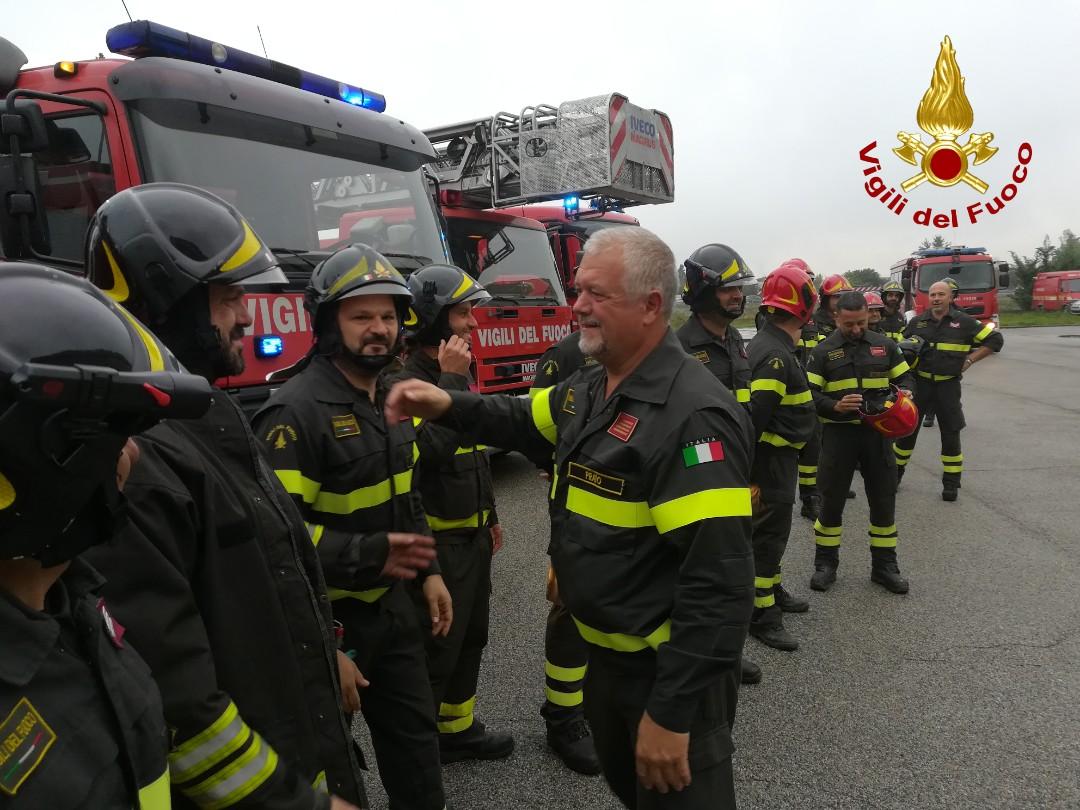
(299, 254)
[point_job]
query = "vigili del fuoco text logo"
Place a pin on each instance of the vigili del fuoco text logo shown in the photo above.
(945, 115)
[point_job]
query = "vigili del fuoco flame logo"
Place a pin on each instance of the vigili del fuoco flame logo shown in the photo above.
(945, 115)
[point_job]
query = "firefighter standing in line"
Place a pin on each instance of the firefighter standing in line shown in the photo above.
(875, 307)
(892, 318)
(851, 369)
(953, 342)
(215, 577)
(69, 675)
(351, 476)
(713, 281)
(458, 496)
(817, 329)
(782, 410)
(650, 536)
(566, 656)
(714, 277)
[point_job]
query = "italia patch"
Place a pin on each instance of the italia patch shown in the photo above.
(280, 435)
(568, 403)
(623, 427)
(702, 356)
(598, 480)
(25, 738)
(345, 426)
(702, 451)
(878, 351)
(836, 354)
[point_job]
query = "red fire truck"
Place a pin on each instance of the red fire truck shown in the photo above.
(973, 269)
(304, 157)
(1055, 290)
(596, 156)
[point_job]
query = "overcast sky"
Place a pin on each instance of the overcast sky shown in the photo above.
(770, 102)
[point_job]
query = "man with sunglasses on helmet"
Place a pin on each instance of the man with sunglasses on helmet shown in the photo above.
(458, 494)
(352, 477)
(215, 576)
(80, 715)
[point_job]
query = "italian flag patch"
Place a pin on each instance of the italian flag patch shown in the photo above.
(703, 451)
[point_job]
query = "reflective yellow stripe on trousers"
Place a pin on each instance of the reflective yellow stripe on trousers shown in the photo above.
(621, 642)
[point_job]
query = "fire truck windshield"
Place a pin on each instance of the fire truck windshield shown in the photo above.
(511, 262)
(302, 188)
(971, 276)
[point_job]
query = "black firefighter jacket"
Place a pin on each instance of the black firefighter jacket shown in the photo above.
(455, 482)
(866, 365)
(946, 343)
(726, 359)
(218, 586)
(350, 475)
(650, 513)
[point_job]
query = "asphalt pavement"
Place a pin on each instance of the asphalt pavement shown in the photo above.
(965, 693)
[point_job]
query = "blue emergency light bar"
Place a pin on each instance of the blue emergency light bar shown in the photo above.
(571, 205)
(958, 251)
(268, 346)
(145, 38)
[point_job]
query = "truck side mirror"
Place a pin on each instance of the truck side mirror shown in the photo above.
(1003, 275)
(24, 230)
(905, 280)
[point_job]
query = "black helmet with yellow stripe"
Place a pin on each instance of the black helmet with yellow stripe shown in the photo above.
(148, 246)
(708, 268)
(157, 248)
(70, 396)
(435, 289)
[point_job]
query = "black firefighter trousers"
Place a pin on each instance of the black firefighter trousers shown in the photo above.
(617, 689)
(942, 398)
(843, 448)
(454, 660)
(774, 473)
(397, 707)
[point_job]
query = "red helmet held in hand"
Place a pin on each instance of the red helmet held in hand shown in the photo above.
(895, 417)
(790, 289)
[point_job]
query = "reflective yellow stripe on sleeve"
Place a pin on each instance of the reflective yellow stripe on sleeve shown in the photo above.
(210, 746)
(764, 384)
(156, 795)
(984, 333)
(899, 369)
(242, 777)
(708, 503)
(338, 503)
(541, 415)
(952, 347)
(461, 451)
(815, 379)
(742, 395)
(297, 484)
(621, 642)
(800, 398)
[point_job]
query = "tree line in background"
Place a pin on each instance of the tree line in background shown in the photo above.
(1048, 257)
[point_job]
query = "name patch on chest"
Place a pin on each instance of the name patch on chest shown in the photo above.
(345, 426)
(878, 351)
(25, 738)
(623, 427)
(568, 403)
(597, 480)
(703, 356)
(836, 354)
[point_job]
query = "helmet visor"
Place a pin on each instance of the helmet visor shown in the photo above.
(380, 288)
(274, 277)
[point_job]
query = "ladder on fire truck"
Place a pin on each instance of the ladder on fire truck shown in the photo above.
(601, 148)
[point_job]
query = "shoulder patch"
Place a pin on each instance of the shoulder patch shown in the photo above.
(25, 739)
(345, 426)
(776, 363)
(703, 356)
(568, 403)
(590, 360)
(280, 435)
(702, 451)
(551, 368)
(623, 427)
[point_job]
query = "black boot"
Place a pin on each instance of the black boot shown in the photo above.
(885, 571)
(750, 673)
(826, 561)
(476, 742)
(928, 420)
(572, 742)
(949, 489)
(788, 603)
(811, 507)
(767, 626)
(850, 494)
